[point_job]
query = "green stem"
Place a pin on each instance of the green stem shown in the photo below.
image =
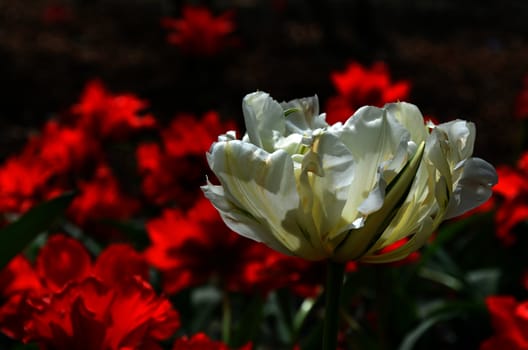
(226, 318)
(334, 282)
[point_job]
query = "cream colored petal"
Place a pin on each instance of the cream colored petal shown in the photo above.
(420, 205)
(429, 195)
(411, 118)
(412, 245)
(359, 241)
(324, 182)
(374, 139)
(304, 115)
(263, 185)
(436, 151)
(241, 221)
(473, 188)
(264, 119)
(461, 137)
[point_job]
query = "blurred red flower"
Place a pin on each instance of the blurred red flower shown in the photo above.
(118, 263)
(510, 321)
(200, 33)
(201, 341)
(359, 86)
(410, 259)
(23, 183)
(512, 193)
(106, 115)
(66, 151)
(190, 248)
(17, 279)
(61, 260)
(62, 149)
(18, 276)
(91, 314)
(64, 281)
(173, 172)
(43, 168)
(101, 198)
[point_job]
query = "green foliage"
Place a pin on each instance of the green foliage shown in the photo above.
(17, 235)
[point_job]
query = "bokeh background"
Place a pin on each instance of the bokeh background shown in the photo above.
(465, 59)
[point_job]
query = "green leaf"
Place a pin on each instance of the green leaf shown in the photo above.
(280, 304)
(17, 235)
(31, 346)
(411, 338)
(442, 278)
(483, 282)
(302, 314)
(205, 301)
(248, 326)
(447, 232)
(440, 310)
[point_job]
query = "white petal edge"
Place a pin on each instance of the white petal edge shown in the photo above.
(473, 188)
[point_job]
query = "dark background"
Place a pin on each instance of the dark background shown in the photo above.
(464, 59)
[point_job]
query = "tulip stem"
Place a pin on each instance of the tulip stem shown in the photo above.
(334, 282)
(226, 318)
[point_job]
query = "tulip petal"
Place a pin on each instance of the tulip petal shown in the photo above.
(359, 241)
(411, 118)
(305, 115)
(414, 243)
(239, 221)
(325, 180)
(262, 185)
(473, 188)
(374, 139)
(461, 136)
(427, 200)
(264, 118)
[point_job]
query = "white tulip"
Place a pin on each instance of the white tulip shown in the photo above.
(344, 191)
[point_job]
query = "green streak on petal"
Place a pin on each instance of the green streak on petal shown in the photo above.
(358, 241)
(289, 111)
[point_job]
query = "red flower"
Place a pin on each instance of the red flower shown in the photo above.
(62, 260)
(198, 32)
(174, 171)
(110, 116)
(66, 302)
(45, 165)
(118, 263)
(510, 321)
(94, 315)
(23, 183)
(61, 148)
(410, 259)
(17, 280)
(188, 135)
(358, 86)
(18, 276)
(512, 190)
(101, 198)
(199, 341)
(193, 247)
